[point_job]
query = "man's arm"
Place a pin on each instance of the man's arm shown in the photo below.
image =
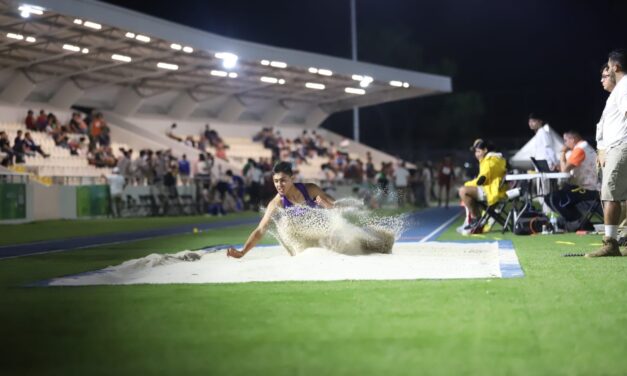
(320, 197)
(257, 234)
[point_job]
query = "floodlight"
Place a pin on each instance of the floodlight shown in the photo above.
(142, 38)
(26, 10)
(229, 60)
(167, 66)
(313, 70)
(405, 85)
(218, 73)
(269, 80)
(367, 80)
(232, 75)
(92, 25)
(188, 49)
(15, 36)
(31, 39)
(124, 58)
(85, 50)
(278, 64)
(314, 85)
(176, 46)
(130, 35)
(325, 72)
(396, 83)
(352, 90)
(358, 77)
(265, 62)
(71, 47)
(78, 21)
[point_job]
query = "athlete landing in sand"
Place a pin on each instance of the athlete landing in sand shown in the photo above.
(289, 194)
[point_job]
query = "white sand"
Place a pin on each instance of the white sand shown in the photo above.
(431, 260)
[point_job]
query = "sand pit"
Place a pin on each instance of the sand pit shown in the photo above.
(431, 260)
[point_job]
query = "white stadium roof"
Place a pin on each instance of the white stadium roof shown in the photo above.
(80, 52)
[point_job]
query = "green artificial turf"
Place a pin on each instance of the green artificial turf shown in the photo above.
(565, 317)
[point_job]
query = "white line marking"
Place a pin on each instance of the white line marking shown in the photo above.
(443, 225)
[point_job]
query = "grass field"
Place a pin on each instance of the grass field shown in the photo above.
(565, 317)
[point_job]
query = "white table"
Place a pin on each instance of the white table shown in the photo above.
(538, 175)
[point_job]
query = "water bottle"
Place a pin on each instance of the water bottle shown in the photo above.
(554, 222)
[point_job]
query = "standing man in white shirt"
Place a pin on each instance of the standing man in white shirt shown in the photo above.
(613, 133)
(401, 179)
(543, 148)
(117, 183)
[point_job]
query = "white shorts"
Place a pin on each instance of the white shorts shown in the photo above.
(481, 194)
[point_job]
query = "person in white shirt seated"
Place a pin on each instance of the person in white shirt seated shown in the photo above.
(578, 158)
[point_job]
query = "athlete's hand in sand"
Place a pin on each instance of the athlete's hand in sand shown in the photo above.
(232, 252)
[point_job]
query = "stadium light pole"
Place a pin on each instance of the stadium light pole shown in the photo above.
(354, 56)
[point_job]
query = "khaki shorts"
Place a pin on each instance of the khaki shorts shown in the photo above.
(614, 186)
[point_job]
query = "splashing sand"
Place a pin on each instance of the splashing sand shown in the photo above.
(349, 228)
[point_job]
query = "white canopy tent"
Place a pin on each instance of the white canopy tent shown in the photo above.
(522, 158)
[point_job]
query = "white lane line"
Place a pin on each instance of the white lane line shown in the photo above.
(442, 226)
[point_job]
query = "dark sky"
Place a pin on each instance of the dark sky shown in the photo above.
(514, 57)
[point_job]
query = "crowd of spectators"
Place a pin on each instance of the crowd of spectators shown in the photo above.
(206, 141)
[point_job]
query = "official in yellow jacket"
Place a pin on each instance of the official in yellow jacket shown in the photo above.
(487, 186)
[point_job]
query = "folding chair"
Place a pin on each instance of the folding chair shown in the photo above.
(503, 212)
(589, 209)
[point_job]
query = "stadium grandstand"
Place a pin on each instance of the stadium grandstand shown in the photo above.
(161, 86)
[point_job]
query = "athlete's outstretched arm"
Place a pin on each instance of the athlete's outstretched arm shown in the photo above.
(320, 196)
(257, 234)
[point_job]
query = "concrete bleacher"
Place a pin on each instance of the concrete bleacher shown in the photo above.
(149, 132)
(60, 162)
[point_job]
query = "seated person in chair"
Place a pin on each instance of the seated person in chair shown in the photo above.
(578, 158)
(487, 187)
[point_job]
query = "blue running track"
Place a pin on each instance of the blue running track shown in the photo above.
(424, 225)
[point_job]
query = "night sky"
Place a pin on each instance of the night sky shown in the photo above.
(506, 59)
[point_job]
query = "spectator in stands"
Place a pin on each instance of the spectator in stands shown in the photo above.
(254, 181)
(30, 122)
(96, 129)
(138, 168)
(401, 181)
(6, 151)
(184, 170)
(124, 164)
(31, 147)
(19, 148)
(213, 137)
(171, 132)
(371, 172)
(486, 187)
(427, 182)
(53, 125)
(169, 184)
(579, 158)
(116, 190)
(77, 124)
(77, 146)
(237, 188)
(446, 175)
(42, 121)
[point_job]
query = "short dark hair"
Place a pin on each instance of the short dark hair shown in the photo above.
(537, 116)
(604, 67)
(573, 133)
(483, 145)
(618, 56)
(283, 167)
